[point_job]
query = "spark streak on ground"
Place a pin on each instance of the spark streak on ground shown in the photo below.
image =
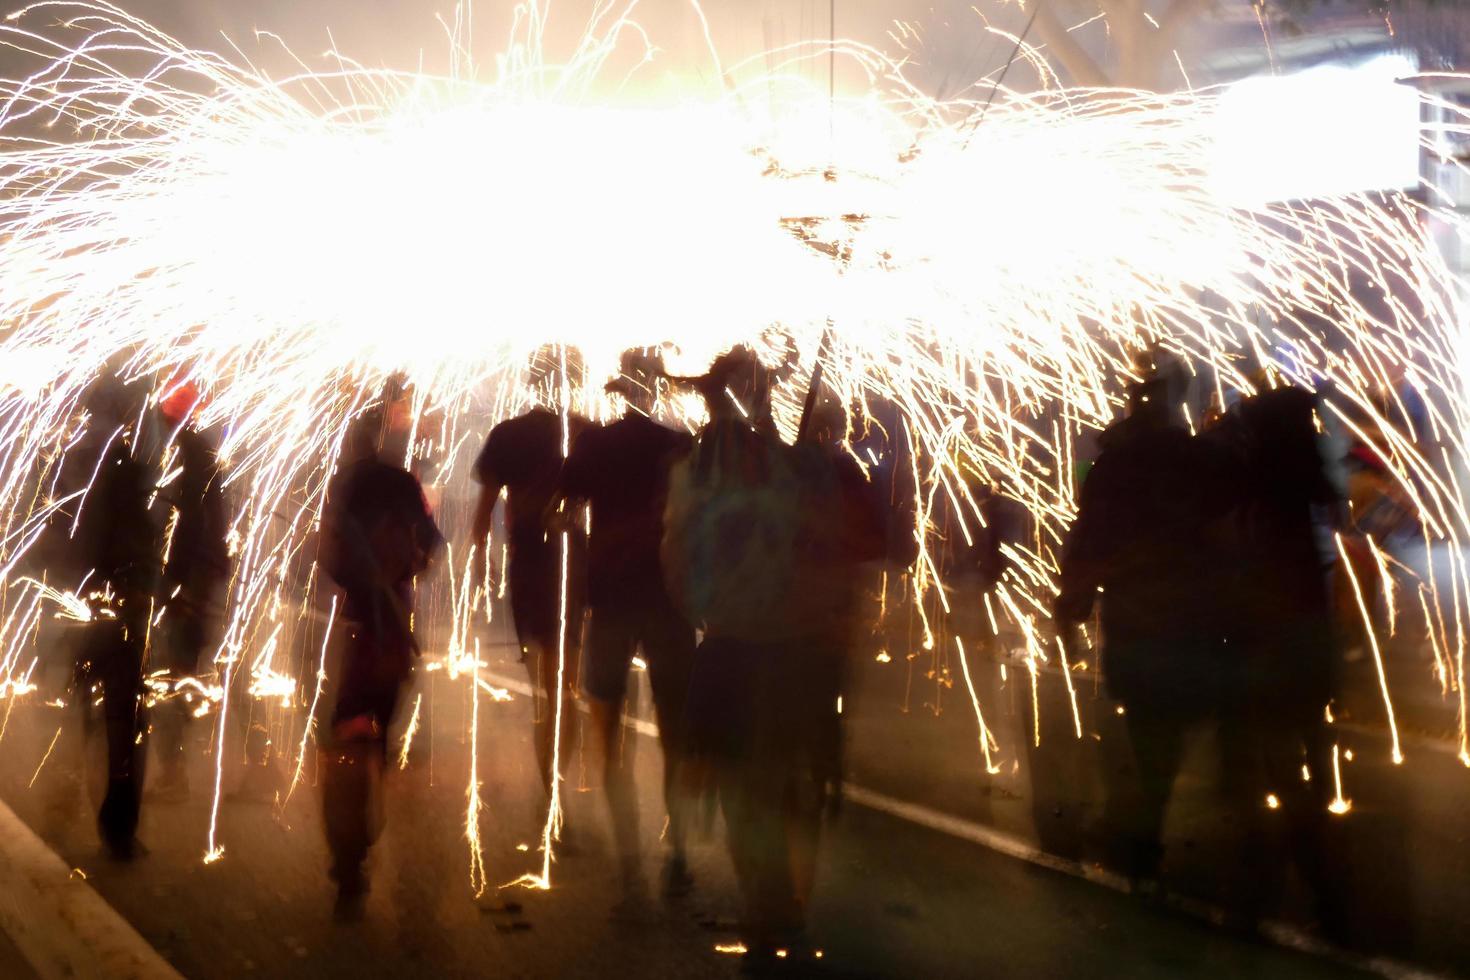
(1393, 729)
(288, 243)
(311, 711)
(410, 731)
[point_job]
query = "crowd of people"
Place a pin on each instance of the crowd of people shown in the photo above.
(733, 563)
(756, 541)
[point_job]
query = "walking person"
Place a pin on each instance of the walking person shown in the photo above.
(621, 471)
(377, 535)
(114, 546)
(755, 549)
(1284, 651)
(1140, 545)
(196, 567)
(546, 551)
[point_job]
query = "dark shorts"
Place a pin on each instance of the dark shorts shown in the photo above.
(648, 623)
(535, 576)
(374, 673)
(185, 637)
(771, 704)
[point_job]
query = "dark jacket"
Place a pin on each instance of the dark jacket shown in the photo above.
(1281, 628)
(198, 557)
(1143, 535)
(377, 534)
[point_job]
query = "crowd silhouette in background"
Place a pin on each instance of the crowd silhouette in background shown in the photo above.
(739, 567)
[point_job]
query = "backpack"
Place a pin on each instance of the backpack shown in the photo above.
(752, 530)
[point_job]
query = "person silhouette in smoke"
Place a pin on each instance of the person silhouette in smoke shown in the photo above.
(198, 562)
(377, 535)
(762, 543)
(621, 470)
(1142, 541)
(114, 545)
(523, 456)
(1279, 676)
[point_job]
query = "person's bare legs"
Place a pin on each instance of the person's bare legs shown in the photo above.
(669, 649)
(542, 670)
(616, 756)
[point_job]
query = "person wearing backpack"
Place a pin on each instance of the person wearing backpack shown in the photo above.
(758, 553)
(377, 535)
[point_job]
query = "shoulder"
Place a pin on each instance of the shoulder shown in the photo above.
(587, 434)
(506, 429)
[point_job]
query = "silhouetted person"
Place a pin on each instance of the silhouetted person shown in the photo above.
(377, 535)
(851, 532)
(621, 470)
(115, 545)
(546, 551)
(1282, 652)
(756, 549)
(198, 563)
(1142, 537)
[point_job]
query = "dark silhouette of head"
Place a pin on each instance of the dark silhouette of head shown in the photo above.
(1282, 426)
(1155, 398)
(111, 401)
(737, 384)
(640, 371)
(382, 432)
(828, 423)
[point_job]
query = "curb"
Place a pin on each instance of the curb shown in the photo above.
(1281, 934)
(62, 927)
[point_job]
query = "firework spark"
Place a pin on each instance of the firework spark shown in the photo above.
(288, 243)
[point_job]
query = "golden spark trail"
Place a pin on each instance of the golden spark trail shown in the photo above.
(42, 764)
(985, 739)
(551, 832)
(1071, 691)
(472, 792)
(1393, 728)
(1339, 805)
(409, 732)
(168, 214)
(311, 719)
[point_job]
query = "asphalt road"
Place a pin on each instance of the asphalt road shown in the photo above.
(1405, 847)
(893, 899)
(12, 964)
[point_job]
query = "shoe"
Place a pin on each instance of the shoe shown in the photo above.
(677, 881)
